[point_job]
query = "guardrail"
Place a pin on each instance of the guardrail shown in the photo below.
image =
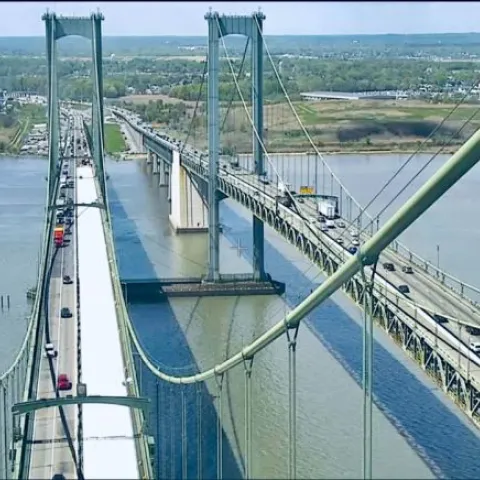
(31, 343)
(138, 417)
(446, 279)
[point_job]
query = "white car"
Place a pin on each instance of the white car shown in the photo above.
(50, 351)
(475, 346)
(355, 242)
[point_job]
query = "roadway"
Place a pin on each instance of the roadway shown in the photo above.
(50, 450)
(424, 290)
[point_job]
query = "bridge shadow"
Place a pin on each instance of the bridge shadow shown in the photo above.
(442, 439)
(171, 404)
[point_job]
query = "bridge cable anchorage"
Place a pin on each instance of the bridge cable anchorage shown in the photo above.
(292, 401)
(367, 384)
(248, 364)
(322, 158)
(219, 381)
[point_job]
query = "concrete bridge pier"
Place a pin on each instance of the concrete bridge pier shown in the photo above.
(150, 156)
(188, 213)
(156, 161)
(163, 173)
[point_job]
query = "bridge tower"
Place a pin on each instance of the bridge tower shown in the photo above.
(91, 28)
(221, 26)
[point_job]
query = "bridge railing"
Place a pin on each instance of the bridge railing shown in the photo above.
(27, 356)
(449, 281)
(138, 416)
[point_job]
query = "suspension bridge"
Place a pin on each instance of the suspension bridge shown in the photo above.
(71, 403)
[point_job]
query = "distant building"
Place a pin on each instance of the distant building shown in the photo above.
(388, 95)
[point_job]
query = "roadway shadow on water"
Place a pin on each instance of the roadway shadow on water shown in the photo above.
(447, 445)
(172, 405)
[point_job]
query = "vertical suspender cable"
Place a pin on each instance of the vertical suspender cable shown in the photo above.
(248, 418)
(292, 404)
(219, 379)
(199, 432)
(184, 434)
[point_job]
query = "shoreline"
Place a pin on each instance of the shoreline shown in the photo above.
(451, 149)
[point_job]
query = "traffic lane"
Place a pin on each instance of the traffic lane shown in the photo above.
(41, 452)
(438, 340)
(419, 278)
(67, 364)
(62, 459)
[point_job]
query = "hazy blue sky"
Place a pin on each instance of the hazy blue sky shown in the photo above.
(159, 18)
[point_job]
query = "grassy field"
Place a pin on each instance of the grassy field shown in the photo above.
(114, 141)
(338, 125)
(138, 99)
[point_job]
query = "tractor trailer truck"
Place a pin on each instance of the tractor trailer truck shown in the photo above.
(327, 208)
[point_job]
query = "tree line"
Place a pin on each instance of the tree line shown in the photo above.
(181, 78)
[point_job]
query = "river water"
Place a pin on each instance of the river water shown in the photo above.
(418, 433)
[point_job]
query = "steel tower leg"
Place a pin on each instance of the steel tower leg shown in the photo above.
(257, 99)
(213, 147)
(97, 106)
(53, 119)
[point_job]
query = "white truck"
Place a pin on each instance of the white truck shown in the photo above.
(327, 208)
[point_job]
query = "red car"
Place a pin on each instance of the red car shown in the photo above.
(63, 382)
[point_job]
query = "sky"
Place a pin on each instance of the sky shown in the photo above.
(283, 18)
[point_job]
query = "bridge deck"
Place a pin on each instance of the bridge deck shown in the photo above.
(424, 289)
(109, 446)
(50, 451)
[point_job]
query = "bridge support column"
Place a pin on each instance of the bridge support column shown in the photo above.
(221, 26)
(257, 96)
(188, 214)
(156, 161)
(163, 174)
(150, 156)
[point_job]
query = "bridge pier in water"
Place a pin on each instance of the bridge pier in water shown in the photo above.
(218, 27)
(188, 213)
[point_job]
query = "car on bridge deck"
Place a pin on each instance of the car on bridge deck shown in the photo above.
(352, 250)
(59, 476)
(407, 269)
(66, 313)
(63, 382)
(50, 351)
(440, 318)
(475, 346)
(67, 280)
(389, 266)
(403, 289)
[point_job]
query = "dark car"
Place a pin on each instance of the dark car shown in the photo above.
(403, 289)
(67, 280)
(352, 250)
(390, 267)
(58, 476)
(440, 318)
(407, 269)
(66, 313)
